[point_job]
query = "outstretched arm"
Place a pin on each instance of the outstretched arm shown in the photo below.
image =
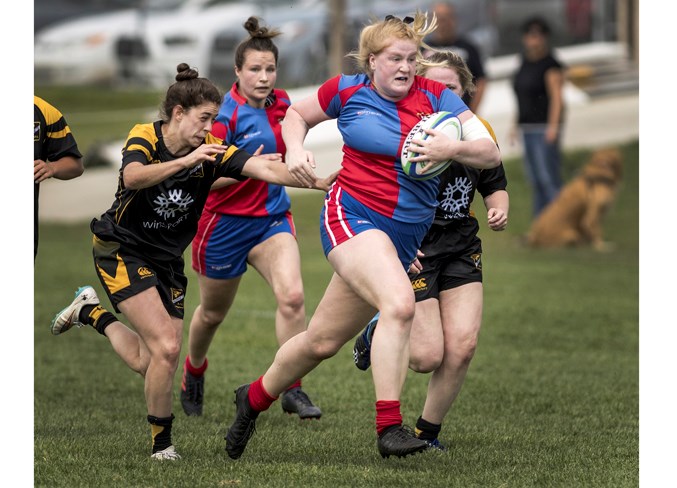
(273, 172)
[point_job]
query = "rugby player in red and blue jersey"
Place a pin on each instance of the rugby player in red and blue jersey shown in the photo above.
(373, 221)
(247, 222)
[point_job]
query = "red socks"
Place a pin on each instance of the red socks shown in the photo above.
(196, 371)
(387, 414)
(259, 398)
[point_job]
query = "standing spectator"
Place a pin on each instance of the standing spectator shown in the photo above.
(538, 85)
(373, 220)
(448, 289)
(55, 152)
(446, 38)
(247, 222)
(168, 168)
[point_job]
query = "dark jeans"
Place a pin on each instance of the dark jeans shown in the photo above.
(542, 164)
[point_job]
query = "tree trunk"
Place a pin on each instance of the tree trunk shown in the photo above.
(337, 29)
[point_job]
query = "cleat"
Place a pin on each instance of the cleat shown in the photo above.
(192, 393)
(436, 445)
(296, 401)
(400, 441)
(70, 316)
(166, 454)
(244, 425)
(362, 347)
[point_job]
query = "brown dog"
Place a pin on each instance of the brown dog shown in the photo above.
(575, 216)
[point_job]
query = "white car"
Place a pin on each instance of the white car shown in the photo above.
(95, 49)
(152, 58)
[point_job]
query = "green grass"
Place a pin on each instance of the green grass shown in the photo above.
(551, 398)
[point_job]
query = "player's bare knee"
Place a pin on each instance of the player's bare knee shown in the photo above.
(398, 312)
(291, 303)
(465, 351)
(167, 351)
(426, 362)
(323, 348)
(212, 318)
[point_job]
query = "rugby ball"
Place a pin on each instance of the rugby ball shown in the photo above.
(445, 122)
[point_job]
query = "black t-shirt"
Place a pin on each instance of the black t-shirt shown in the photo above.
(529, 86)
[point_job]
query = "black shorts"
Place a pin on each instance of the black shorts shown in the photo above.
(448, 269)
(124, 273)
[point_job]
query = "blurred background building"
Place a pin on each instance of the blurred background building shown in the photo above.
(141, 41)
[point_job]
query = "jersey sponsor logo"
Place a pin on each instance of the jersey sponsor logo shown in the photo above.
(172, 204)
(477, 259)
(144, 272)
(253, 134)
(369, 112)
(164, 225)
(36, 130)
(419, 285)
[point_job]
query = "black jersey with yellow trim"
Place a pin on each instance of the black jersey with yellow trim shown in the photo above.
(52, 137)
(160, 221)
(457, 188)
(52, 140)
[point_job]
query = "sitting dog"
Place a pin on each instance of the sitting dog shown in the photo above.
(575, 216)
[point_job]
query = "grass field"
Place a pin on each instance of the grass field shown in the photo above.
(551, 398)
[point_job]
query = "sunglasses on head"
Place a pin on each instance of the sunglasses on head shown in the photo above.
(406, 20)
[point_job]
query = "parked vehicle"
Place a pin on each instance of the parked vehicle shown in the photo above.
(166, 48)
(48, 12)
(100, 48)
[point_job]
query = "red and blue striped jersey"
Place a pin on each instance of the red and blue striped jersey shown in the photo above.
(373, 131)
(247, 127)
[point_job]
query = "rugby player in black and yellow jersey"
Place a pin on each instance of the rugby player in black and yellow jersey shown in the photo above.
(168, 168)
(55, 152)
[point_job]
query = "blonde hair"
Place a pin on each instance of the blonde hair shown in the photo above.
(452, 60)
(376, 36)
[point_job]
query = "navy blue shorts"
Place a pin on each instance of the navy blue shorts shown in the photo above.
(343, 217)
(223, 242)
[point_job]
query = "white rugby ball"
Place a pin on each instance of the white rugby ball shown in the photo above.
(445, 122)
